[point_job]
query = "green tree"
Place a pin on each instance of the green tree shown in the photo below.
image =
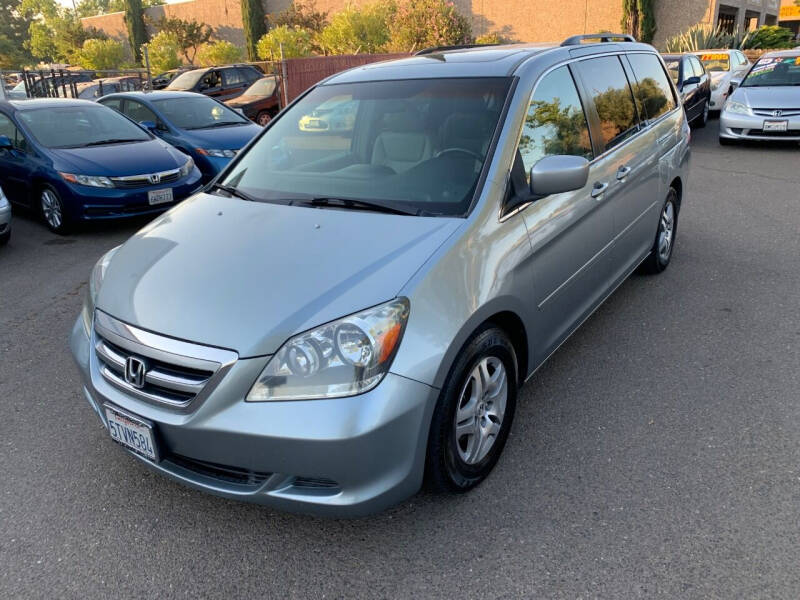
(770, 37)
(91, 8)
(296, 43)
(421, 24)
(218, 53)
(492, 38)
(55, 34)
(137, 32)
(14, 27)
(357, 30)
(101, 55)
(253, 21)
(163, 50)
(302, 15)
(638, 19)
(189, 34)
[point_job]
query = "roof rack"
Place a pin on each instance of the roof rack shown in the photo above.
(435, 49)
(577, 40)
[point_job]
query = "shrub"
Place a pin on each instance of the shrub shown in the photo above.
(357, 30)
(302, 15)
(163, 51)
(218, 53)
(703, 37)
(296, 43)
(101, 55)
(493, 37)
(421, 24)
(770, 37)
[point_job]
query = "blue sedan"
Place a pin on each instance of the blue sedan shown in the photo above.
(75, 160)
(207, 130)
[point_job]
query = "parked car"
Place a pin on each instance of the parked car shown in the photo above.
(162, 80)
(766, 106)
(331, 116)
(222, 83)
(261, 101)
(5, 214)
(74, 160)
(723, 66)
(98, 88)
(52, 86)
(207, 130)
(18, 92)
(338, 315)
(694, 86)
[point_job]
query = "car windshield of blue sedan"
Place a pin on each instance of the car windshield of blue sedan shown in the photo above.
(80, 126)
(416, 144)
(780, 71)
(198, 112)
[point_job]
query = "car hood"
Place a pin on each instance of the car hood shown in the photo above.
(248, 275)
(117, 160)
(769, 97)
(244, 100)
(224, 138)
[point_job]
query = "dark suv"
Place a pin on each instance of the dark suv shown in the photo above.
(222, 83)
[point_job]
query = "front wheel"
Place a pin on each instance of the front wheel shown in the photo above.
(52, 209)
(474, 413)
(661, 252)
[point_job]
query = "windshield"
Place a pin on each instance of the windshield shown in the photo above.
(79, 126)
(780, 71)
(716, 62)
(20, 87)
(186, 81)
(262, 87)
(198, 112)
(420, 144)
(674, 68)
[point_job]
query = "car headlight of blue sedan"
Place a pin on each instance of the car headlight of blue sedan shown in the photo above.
(90, 180)
(216, 153)
(187, 166)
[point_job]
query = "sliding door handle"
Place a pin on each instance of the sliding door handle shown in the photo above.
(599, 189)
(623, 172)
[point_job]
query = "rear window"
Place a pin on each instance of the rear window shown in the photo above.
(652, 89)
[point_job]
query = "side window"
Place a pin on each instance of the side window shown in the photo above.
(555, 123)
(210, 80)
(607, 84)
(114, 103)
(8, 129)
(139, 112)
(232, 76)
(249, 75)
(652, 89)
(698, 69)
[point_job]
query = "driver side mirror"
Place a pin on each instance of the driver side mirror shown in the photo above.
(5, 143)
(558, 174)
(692, 80)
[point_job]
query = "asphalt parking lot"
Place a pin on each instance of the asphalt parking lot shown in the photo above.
(655, 455)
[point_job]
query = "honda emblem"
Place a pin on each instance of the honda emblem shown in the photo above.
(135, 371)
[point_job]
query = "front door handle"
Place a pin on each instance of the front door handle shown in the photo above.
(623, 172)
(599, 189)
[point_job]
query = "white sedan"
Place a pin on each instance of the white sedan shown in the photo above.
(723, 66)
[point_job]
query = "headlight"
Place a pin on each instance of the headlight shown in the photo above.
(95, 281)
(187, 167)
(343, 358)
(737, 108)
(216, 153)
(90, 180)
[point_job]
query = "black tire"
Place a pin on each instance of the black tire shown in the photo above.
(263, 118)
(48, 200)
(657, 261)
(702, 119)
(4, 238)
(445, 469)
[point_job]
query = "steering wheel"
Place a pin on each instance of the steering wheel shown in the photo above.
(470, 153)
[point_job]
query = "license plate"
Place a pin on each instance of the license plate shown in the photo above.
(132, 432)
(159, 196)
(776, 125)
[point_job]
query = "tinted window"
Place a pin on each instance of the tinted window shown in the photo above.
(78, 126)
(652, 89)
(697, 68)
(250, 74)
(139, 112)
(556, 122)
(674, 69)
(419, 143)
(115, 103)
(197, 112)
(232, 76)
(8, 129)
(607, 84)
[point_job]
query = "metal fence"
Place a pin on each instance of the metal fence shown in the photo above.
(67, 83)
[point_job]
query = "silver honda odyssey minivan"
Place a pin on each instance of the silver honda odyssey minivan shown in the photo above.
(351, 307)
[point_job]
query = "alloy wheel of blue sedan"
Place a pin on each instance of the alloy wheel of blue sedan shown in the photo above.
(51, 209)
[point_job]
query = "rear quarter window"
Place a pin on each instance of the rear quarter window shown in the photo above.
(653, 92)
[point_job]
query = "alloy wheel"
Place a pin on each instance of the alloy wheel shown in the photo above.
(51, 209)
(666, 229)
(481, 408)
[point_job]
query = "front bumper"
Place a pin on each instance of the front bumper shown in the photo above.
(341, 457)
(5, 218)
(734, 126)
(91, 203)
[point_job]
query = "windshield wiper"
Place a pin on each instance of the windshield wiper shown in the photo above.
(220, 124)
(390, 208)
(233, 191)
(111, 141)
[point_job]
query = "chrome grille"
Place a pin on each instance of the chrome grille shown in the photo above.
(175, 373)
(147, 179)
(769, 112)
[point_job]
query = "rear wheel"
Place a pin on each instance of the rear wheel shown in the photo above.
(52, 209)
(472, 419)
(661, 252)
(263, 118)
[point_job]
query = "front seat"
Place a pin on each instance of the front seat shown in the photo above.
(402, 148)
(467, 131)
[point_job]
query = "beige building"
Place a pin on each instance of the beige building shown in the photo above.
(790, 16)
(523, 20)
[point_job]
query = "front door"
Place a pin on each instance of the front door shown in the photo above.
(569, 232)
(16, 167)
